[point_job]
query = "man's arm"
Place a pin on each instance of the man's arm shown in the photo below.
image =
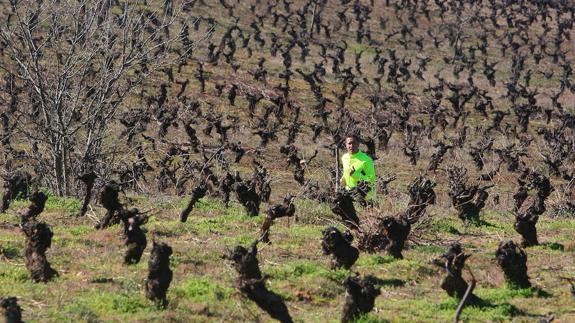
(370, 169)
(345, 164)
(370, 176)
(366, 172)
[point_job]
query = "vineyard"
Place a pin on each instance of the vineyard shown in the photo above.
(180, 161)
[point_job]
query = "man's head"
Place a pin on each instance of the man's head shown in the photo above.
(351, 144)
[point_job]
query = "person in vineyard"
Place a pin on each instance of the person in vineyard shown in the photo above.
(357, 166)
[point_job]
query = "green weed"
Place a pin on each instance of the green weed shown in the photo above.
(10, 250)
(13, 273)
(244, 239)
(446, 225)
(370, 318)
(107, 303)
(303, 268)
(58, 203)
(202, 289)
(374, 260)
(80, 230)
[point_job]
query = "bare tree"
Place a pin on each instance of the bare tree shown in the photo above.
(75, 64)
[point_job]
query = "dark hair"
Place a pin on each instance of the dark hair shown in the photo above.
(354, 136)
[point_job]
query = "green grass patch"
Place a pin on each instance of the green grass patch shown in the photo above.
(100, 303)
(58, 203)
(370, 318)
(10, 250)
(374, 260)
(306, 268)
(202, 289)
(13, 273)
(243, 239)
(205, 204)
(82, 311)
(80, 230)
(506, 294)
(430, 249)
(556, 224)
(491, 313)
(421, 310)
(18, 203)
(446, 225)
(299, 231)
(411, 269)
(550, 246)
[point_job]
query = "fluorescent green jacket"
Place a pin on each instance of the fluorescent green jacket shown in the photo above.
(364, 170)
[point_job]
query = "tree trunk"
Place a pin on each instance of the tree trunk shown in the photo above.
(62, 169)
(58, 167)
